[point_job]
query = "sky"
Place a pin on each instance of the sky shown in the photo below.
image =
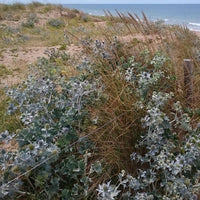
(107, 1)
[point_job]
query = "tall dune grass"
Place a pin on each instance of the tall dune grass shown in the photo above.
(116, 142)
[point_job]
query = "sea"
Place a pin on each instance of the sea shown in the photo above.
(182, 14)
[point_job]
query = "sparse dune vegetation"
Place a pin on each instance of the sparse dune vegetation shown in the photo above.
(97, 107)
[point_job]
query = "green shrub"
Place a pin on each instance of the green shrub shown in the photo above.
(56, 23)
(4, 71)
(62, 47)
(54, 114)
(8, 122)
(85, 18)
(30, 23)
(55, 54)
(168, 163)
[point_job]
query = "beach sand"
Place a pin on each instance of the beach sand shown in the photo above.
(197, 33)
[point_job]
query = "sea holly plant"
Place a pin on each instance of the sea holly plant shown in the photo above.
(169, 163)
(51, 158)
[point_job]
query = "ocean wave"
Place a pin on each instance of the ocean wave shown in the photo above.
(194, 24)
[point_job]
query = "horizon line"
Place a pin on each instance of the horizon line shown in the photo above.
(129, 3)
(106, 3)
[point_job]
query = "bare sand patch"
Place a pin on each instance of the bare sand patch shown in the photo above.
(17, 61)
(197, 33)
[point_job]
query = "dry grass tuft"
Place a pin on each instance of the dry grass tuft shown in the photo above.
(116, 142)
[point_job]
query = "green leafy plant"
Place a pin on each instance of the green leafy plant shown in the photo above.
(52, 160)
(30, 23)
(56, 23)
(168, 166)
(4, 71)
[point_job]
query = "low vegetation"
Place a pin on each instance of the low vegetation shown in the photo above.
(30, 23)
(56, 23)
(111, 123)
(37, 26)
(4, 71)
(8, 122)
